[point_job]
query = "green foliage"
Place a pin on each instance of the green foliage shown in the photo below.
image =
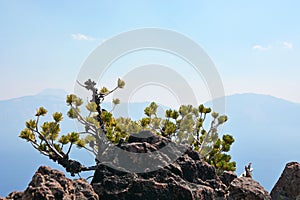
(104, 90)
(57, 117)
(219, 158)
(31, 124)
(73, 113)
(121, 83)
(185, 125)
(64, 140)
(91, 106)
(27, 134)
(80, 143)
(72, 99)
(151, 109)
(127, 126)
(116, 101)
(45, 137)
(145, 122)
(41, 111)
(73, 137)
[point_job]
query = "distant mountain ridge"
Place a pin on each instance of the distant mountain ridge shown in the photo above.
(53, 92)
(266, 130)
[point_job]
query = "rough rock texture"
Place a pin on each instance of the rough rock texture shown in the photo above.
(167, 183)
(288, 185)
(245, 188)
(227, 177)
(13, 196)
(188, 177)
(50, 184)
(136, 171)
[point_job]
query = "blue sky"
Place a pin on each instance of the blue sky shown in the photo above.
(255, 45)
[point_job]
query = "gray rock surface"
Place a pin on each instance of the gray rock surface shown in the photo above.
(288, 185)
(245, 188)
(50, 184)
(188, 178)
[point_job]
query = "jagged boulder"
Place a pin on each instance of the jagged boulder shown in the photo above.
(288, 185)
(184, 175)
(50, 184)
(245, 188)
(227, 177)
(188, 177)
(164, 184)
(176, 173)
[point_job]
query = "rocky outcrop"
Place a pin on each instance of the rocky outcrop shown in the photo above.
(245, 188)
(50, 184)
(288, 185)
(188, 177)
(176, 173)
(177, 181)
(227, 177)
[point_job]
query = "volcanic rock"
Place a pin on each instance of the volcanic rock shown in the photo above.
(288, 185)
(177, 172)
(245, 188)
(50, 184)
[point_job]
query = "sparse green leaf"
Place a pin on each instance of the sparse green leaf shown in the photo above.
(73, 137)
(201, 108)
(175, 114)
(106, 116)
(57, 116)
(41, 111)
(80, 143)
(27, 135)
(168, 113)
(214, 114)
(116, 101)
(145, 122)
(73, 113)
(121, 83)
(104, 90)
(42, 147)
(31, 124)
(71, 99)
(222, 119)
(78, 102)
(91, 106)
(64, 140)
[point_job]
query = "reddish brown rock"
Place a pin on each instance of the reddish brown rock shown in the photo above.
(228, 177)
(188, 177)
(14, 196)
(50, 184)
(245, 188)
(288, 185)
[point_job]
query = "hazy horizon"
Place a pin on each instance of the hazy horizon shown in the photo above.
(254, 45)
(55, 91)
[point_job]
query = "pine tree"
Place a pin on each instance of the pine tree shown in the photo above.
(185, 125)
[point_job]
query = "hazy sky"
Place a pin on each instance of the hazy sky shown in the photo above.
(255, 45)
